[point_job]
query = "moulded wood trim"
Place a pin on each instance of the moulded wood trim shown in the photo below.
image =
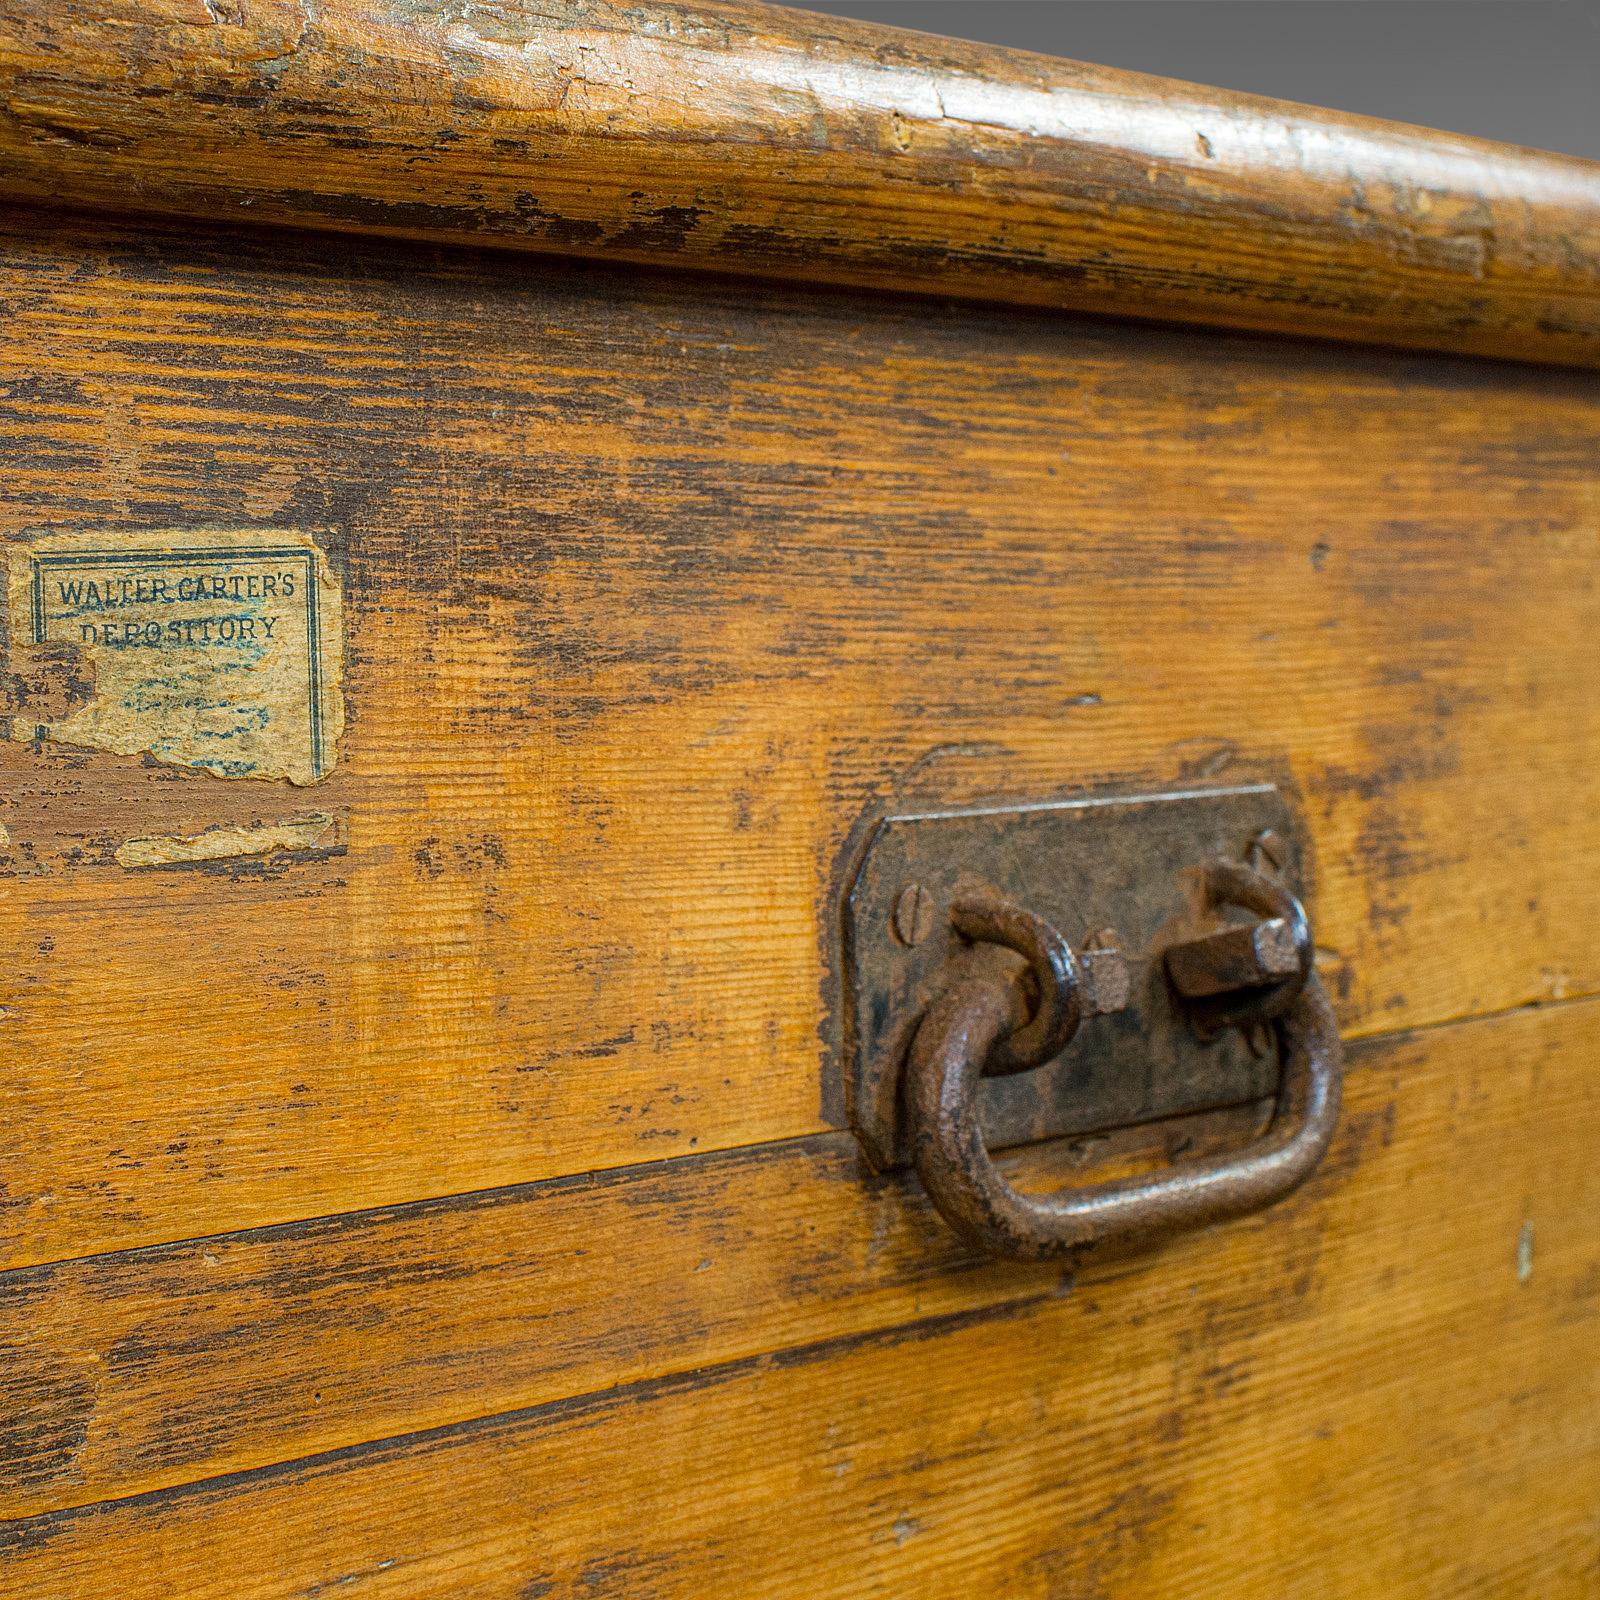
(758, 139)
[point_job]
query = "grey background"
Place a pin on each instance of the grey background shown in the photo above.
(1525, 71)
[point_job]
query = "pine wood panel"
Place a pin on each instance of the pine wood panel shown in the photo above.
(651, 596)
(1385, 1386)
(762, 139)
(328, 1333)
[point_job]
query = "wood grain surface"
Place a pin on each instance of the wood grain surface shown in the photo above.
(327, 1333)
(1383, 1387)
(456, 1198)
(758, 139)
(654, 591)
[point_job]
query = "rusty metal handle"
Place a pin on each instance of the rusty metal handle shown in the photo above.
(966, 1024)
(946, 1065)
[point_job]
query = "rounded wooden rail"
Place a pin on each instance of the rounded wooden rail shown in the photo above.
(755, 139)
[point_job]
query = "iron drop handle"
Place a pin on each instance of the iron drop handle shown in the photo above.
(972, 1028)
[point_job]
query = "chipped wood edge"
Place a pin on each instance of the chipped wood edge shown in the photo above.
(225, 843)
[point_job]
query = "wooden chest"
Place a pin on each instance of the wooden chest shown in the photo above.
(503, 506)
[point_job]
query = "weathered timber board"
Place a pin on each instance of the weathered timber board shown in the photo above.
(653, 590)
(330, 1332)
(1385, 1386)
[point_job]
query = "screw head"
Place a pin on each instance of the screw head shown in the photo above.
(913, 915)
(1103, 971)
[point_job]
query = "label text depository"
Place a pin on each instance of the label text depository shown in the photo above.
(118, 593)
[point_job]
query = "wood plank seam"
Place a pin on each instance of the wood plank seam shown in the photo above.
(925, 1249)
(20, 1534)
(595, 1177)
(1382, 1391)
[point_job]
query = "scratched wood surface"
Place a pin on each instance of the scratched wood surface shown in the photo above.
(1385, 1386)
(458, 1199)
(760, 139)
(653, 592)
(327, 1333)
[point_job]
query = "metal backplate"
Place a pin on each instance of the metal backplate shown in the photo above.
(1125, 863)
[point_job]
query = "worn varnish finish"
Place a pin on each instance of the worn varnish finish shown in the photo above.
(326, 1333)
(753, 138)
(1378, 1389)
(653, 592)
(460, 1202)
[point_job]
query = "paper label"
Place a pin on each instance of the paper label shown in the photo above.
(221, 651)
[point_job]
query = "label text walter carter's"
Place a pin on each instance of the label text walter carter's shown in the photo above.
(107, 593)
